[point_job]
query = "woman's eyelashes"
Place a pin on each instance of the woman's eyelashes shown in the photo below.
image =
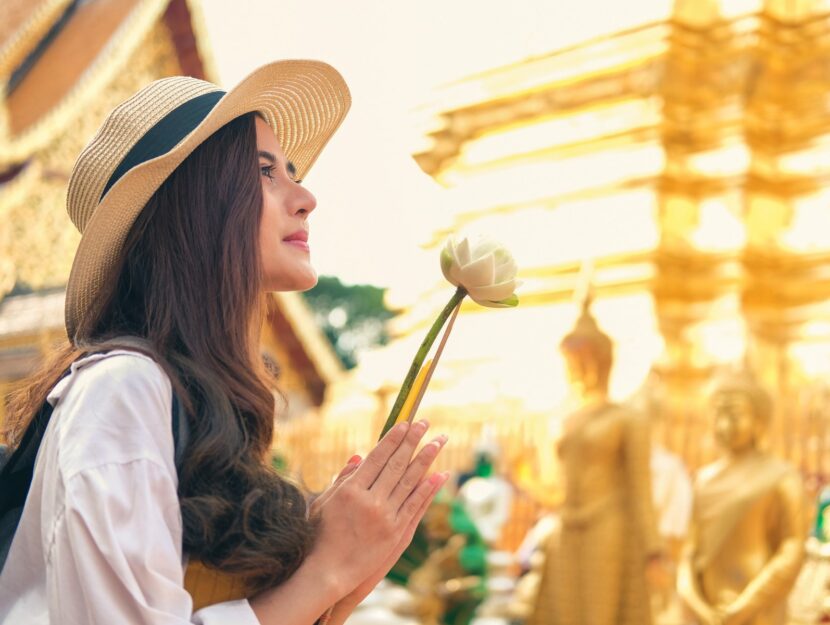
(268, 171)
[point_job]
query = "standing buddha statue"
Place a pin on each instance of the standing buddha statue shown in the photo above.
(746, 543)
(597, 565)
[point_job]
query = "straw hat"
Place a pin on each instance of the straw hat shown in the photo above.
(145, 138)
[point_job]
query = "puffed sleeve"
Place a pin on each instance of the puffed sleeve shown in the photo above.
(113, 542)
(637, 451)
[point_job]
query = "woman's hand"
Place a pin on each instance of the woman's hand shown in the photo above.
(347, 604)
(368, 516)
(367, 519)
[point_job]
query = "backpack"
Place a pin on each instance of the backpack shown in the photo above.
(17, 467)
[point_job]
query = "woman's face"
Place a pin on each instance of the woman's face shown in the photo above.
(283, 229)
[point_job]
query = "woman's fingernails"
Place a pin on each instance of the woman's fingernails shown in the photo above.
(420, 426)
(354, 459)
(438, 442)
(438, 479)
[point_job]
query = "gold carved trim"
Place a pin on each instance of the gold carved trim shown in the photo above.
(113, 56)
(776, 280)
(463, 124)
(28, 35)
(18, 188)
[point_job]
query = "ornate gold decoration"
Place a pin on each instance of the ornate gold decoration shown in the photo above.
(742, 125)
(94, 80)
(39, 239)
(25, 22)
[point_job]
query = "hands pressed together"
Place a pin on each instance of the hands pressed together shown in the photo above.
(370, 513)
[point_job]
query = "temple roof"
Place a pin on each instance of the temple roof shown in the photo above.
(303, 346)
(63, 63)
(89, 42)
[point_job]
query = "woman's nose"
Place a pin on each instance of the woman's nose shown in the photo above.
(304, 201)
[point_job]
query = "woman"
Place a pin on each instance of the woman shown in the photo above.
(190, 206)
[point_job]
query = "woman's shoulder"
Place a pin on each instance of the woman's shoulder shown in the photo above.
(117, 371)
(119, 363)
(113, 408)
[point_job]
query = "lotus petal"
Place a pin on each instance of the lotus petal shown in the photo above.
(506, 270)
(447, 263)
(461, 252)
(510, 302)
(493, 292)
(479, 272)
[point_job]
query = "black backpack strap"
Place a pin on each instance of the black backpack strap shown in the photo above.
(180, 432)
(16, 475)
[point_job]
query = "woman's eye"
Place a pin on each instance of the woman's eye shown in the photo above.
(268, 172)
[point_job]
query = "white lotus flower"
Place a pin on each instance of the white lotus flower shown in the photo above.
(486, 272)
(484, 268)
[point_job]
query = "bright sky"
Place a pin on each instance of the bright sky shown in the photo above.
(375, 206)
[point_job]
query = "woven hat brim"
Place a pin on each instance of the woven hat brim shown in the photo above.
(303, 101)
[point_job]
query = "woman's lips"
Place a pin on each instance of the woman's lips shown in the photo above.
(298, 239)
(300, 244)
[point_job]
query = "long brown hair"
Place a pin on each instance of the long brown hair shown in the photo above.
(190, 284)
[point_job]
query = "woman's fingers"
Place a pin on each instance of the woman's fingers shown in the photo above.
(417, 503)
(345, 472)
(375, 462)
(399, 462)
(416, 471)
(438, 480)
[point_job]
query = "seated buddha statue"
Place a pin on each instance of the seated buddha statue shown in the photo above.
(746, 542)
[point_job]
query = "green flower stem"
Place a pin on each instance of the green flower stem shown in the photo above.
(418, 361)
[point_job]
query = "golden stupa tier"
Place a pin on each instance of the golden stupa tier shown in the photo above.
(685, 160)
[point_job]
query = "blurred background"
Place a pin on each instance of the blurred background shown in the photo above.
(678, 148)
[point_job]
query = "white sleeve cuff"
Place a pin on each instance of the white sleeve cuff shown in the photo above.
(236, 612)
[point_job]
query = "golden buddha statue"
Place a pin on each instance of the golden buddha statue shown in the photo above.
(597, 564)
(746, 543)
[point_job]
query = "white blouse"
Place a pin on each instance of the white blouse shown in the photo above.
(100, 538)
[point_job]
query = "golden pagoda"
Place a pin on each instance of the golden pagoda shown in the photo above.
(64, 64)
(684, 159)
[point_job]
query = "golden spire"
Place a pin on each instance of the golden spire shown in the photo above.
(586, 328)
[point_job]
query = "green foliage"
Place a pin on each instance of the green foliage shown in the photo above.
(353, 317)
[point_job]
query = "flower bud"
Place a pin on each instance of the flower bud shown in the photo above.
(485, 269)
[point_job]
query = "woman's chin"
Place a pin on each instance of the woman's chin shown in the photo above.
(292, 283)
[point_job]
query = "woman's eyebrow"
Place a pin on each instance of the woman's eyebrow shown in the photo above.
(267, 156)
